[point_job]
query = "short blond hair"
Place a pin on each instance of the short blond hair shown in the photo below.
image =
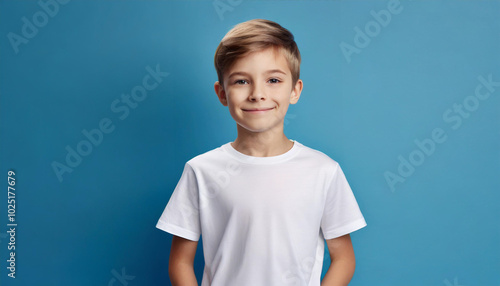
(253, 36)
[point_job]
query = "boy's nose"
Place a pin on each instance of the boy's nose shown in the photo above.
(257, 93)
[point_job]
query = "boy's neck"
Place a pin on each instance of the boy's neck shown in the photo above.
(261, 144)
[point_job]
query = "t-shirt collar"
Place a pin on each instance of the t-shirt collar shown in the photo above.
(262, 160)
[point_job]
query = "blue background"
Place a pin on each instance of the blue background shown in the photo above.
(440, 226)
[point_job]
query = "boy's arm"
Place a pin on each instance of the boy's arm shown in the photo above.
(343, 262)
(180, 267)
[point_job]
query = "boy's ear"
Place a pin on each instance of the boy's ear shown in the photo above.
(296, 91)
(221, 94)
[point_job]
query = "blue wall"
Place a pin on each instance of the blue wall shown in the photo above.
(408, 105)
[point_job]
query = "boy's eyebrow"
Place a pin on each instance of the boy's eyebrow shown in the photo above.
(276, 71)
(236, 73)
(266, 72)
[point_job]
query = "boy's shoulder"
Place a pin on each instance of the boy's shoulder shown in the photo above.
(318, 157)
(209, 157)
(311, 152)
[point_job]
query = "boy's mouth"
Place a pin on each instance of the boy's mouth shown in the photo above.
(257, 110)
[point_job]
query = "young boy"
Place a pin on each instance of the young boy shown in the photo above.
(264, 204)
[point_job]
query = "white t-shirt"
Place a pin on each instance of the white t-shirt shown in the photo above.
(263, 219)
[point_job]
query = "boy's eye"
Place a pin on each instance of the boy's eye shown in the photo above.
(274, 80)
(240, 81)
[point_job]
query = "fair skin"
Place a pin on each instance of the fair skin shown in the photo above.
(258, 90)
(180, 265)
(342, 263)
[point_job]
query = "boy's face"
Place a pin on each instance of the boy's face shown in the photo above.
(258, 90)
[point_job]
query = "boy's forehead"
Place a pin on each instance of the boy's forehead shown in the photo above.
(268, 59)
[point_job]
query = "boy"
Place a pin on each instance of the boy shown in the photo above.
(264, 204)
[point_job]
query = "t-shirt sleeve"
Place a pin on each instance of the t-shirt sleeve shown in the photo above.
(181, 215)
(341, 214)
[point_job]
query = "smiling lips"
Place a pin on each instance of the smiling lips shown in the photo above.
(258, 110)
